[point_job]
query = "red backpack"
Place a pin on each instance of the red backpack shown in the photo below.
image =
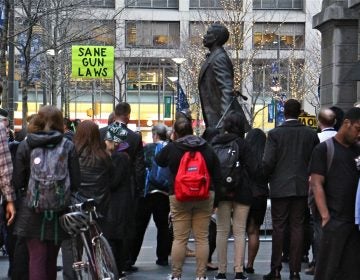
(192, 181)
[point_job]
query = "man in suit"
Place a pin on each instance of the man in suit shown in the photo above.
(287, 154)
(216, 78)
(136, 154)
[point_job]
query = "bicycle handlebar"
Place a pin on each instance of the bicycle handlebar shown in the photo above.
(88, 205)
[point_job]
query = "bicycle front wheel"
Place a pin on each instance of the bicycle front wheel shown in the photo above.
(104, 260)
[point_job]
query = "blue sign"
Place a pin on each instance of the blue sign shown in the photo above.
(274, 68)
(271, 112)
(280, 117)
(2, 15)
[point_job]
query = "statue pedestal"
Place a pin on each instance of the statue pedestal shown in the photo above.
(339, 50)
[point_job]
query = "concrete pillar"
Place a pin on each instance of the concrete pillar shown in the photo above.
(355, 5)
(339, 51)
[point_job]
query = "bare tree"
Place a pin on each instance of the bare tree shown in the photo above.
(45, 31)
(237, 16)
(252, 73)
(5, 4)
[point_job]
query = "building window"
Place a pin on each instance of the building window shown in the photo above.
(213, 4)
(198, 30)
(96, 32)
(290, 75)
(95, 3)
(161, 4)
(152, 34)
(262, 77)
(149, 78)
(268, 35)
(278, 4)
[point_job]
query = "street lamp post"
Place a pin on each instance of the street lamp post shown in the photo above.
(173, 80)
(53, 54)
(11, 69)
(276, 88)
(178, 61)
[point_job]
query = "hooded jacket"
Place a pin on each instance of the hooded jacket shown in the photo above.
(172, 153)
(28, 223)
(249, 167)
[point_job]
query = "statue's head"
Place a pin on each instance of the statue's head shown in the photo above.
(217, 34)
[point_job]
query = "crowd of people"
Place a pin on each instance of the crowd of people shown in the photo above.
(183, 181)
(276, 166)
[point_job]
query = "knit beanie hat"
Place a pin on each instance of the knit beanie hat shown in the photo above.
(116, 133)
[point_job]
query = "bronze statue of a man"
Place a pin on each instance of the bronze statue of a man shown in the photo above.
(216, 78)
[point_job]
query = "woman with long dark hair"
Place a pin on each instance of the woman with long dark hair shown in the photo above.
(95, 175)
(256, 138)
(95, 165)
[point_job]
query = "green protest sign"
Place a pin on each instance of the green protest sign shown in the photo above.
(92, 62)
(167, 103)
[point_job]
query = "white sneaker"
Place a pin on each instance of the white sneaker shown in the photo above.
(202, 278)
(169, 277)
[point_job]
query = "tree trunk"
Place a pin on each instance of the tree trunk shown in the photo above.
(3, 48)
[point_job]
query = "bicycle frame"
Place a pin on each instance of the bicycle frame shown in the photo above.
(87, 244)
(89, 239)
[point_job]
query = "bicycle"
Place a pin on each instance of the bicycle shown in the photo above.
(93, 257)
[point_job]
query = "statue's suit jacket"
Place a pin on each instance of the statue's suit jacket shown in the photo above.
(216, 85)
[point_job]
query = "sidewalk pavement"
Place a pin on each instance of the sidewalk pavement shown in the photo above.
(148, 270)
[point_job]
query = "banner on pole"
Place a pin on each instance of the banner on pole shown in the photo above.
(2, 15)
(270, 112)
(167, 104)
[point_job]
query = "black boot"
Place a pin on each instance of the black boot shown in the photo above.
(294, 276)
(273, 275)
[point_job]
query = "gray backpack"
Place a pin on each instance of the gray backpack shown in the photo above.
(49, 182)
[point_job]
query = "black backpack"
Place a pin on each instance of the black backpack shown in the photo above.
(228, 154)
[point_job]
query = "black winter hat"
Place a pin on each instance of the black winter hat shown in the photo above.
(3, 114)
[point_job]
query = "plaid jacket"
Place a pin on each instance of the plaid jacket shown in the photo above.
(6, 167)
